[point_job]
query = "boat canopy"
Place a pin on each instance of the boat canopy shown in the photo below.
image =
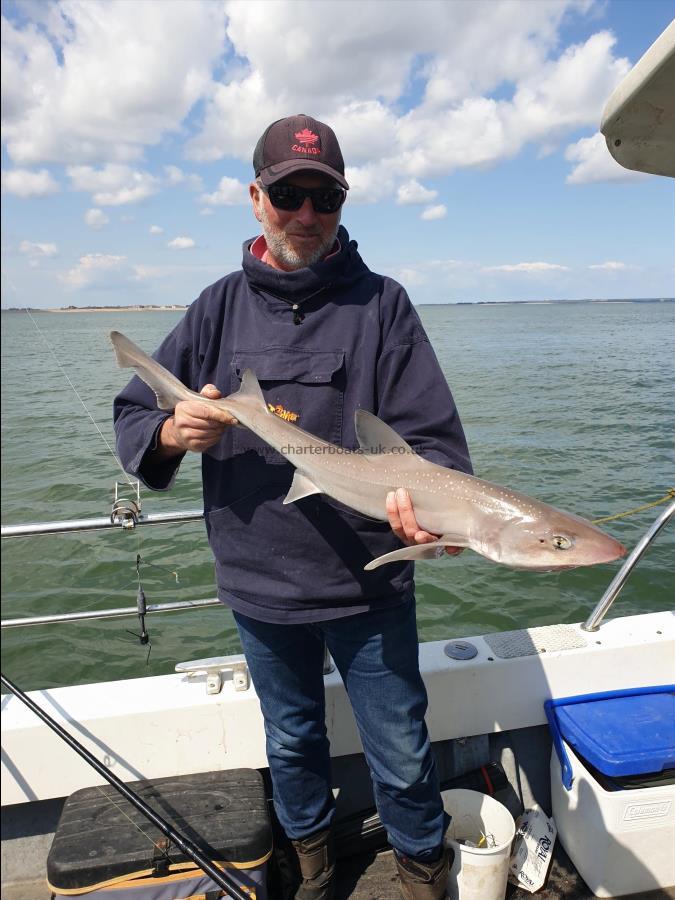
(639, 119)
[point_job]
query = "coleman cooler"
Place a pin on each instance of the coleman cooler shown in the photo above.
(613, 787)
(105, 848)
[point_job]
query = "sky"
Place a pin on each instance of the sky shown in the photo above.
(469, 130)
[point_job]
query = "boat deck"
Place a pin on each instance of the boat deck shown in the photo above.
(373, 877)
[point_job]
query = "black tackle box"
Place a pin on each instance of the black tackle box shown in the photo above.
(105, 848)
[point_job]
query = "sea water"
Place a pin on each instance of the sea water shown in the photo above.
(573, 403)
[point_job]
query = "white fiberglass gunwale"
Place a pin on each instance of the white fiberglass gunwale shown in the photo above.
(639, 118)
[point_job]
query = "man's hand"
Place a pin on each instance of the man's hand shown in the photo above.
(193, 426)
(403, 522)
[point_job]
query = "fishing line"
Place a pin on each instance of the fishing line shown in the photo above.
(66, 376)
(162, 850)
(141, 604)
(146, 562)
(143, 636)
(222, 878)
(669, 496)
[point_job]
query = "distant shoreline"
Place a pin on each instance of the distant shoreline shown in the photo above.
(178, 308)
(552, 302)
(97, 309)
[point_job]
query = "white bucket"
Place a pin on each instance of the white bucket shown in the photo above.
(481, 872)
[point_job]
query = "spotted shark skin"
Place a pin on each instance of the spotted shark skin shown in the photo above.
(500, 524)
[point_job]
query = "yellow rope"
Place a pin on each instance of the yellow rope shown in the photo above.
(669, 496)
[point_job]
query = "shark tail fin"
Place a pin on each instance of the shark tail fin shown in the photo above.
(168, 389)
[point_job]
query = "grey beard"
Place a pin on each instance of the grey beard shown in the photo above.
(279, 247)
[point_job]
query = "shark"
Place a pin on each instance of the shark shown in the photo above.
(501, 524)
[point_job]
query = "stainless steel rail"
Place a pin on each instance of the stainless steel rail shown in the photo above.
(612, 592)
(108, 613)
(75, 525)
(592, 623)
(78, 525)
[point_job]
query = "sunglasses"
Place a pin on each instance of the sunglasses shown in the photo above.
(290, 198)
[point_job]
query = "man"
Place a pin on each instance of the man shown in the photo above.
(325, 336)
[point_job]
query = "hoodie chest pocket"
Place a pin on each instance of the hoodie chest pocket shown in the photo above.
(302, 387)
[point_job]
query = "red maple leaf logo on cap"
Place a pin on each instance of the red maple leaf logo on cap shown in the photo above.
(306, 136)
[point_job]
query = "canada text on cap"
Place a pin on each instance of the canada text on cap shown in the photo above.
(298, 144)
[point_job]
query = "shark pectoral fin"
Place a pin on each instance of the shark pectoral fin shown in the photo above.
(302, 486)
(432, 550)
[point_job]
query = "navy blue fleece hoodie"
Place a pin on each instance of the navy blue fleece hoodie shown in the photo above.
(323, 341)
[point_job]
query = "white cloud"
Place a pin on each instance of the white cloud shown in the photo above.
(114, 184)
(559, 95)
(61, 101)
(96, 219)
(145, 273)
(98, 270)
(175, 176)
(527, 267)
(97, 81)
(413, 192)
(613, 266)
(435, 271)
(431, 213)
(411, 277)
(37, 252)
(456, 124)
(39, 249)
(237, 134)
(594, 163)
(181, 243)
(229, 192)
(371, 182)
(367, 130)
(567, 92)
(155, 229)
(24, 183)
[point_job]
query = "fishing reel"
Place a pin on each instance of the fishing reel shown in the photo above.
(126, 508)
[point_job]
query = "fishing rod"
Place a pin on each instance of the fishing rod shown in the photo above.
(221, 878)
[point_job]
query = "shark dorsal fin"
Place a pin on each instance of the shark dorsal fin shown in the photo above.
(375, 436)
(250, 388)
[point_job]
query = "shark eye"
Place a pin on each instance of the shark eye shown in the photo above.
(560, 542)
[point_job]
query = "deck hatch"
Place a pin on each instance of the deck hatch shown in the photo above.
(533, 641)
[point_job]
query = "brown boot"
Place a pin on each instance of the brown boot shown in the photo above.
(423, 881)
(316, 856)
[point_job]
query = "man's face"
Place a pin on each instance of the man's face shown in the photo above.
(299, 238)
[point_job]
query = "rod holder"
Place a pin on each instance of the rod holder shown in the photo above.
(126, 509)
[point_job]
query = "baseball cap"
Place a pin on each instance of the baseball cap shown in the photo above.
(296, 144)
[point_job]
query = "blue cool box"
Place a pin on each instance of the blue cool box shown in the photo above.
(620, 733)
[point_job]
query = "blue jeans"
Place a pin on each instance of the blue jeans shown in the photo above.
(377, 656)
